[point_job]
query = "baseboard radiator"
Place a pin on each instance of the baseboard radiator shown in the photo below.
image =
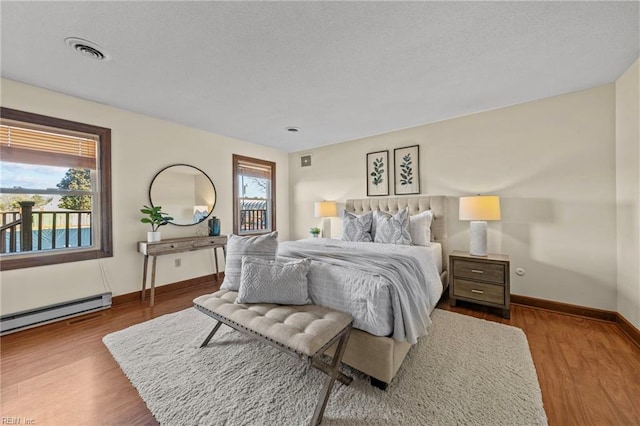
(32, 318)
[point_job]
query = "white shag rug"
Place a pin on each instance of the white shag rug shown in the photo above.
(467, 371)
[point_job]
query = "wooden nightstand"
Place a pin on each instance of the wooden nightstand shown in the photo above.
(483, 280)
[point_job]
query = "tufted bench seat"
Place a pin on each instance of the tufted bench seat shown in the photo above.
(304, 331)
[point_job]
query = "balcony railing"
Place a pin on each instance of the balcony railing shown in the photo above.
(27, 230)
(253, 220)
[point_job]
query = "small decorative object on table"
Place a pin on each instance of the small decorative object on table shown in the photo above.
(315, 232)
(214, 227)
(156, 219)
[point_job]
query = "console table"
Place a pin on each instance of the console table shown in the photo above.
(176, 245)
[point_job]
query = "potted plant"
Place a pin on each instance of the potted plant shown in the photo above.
(315, 232)
(156, 218)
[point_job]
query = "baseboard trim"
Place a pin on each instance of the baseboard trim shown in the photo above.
(582, 311)
(628, 329)
(565, 308)
(163, 289)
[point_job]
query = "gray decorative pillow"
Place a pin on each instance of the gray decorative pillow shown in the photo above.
(261, 246)
(357, 228)
(263, 281)
(392, 229)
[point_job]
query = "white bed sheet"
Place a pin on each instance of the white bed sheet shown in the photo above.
(365, 296)
(435, 255)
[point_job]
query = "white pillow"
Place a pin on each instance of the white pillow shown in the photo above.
(263, 246)
(392, 229)
(263, 281)
(420, 228)
(357, 228)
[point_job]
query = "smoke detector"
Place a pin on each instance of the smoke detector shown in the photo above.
(87, 48)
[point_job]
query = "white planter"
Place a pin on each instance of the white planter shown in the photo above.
(153, 237)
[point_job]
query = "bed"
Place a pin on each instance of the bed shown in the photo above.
(383, 334)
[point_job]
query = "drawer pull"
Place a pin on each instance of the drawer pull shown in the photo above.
(473, 290)
(172, 246)
(477, 271)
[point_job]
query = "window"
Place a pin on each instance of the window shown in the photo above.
(55, 190)
(254, 196)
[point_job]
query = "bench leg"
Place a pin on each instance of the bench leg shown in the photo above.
(214, 331)
(328, 383)
(326, 369)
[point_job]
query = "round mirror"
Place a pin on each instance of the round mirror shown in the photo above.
(184, 192)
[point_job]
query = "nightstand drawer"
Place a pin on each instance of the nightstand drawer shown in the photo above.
(478, 291)
(490, 272)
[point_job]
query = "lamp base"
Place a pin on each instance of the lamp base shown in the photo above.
(478, 238)
(326, 227)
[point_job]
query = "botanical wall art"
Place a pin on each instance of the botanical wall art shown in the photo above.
(377, 173)
(406, 164)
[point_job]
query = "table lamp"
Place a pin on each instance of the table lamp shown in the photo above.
(326, 210)
(479, 209)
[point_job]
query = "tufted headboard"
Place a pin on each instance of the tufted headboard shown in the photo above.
(436, 203)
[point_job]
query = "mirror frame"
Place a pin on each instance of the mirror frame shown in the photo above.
(215, 191)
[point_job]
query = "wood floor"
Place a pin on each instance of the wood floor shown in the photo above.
(62, 374)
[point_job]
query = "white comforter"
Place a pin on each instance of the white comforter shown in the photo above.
(409, 281)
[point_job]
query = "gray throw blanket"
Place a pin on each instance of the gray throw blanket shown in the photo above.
(408, 279)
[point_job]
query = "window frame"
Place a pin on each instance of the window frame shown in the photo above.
(236, 195)
(105, 246)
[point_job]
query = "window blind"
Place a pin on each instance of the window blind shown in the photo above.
(254, 170)
(23, 145)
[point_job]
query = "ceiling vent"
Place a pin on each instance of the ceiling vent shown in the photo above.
(305, 160)
(87, 48)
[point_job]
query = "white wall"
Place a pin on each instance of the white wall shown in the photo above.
(141, 146)
(628, 192)
(552, 162)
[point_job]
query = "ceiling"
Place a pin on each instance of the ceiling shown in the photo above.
(337, 70)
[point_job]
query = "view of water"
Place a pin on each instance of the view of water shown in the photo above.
(47, 238)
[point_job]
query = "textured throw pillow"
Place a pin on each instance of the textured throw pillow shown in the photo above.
(357, 227)
(263, 281)
(392, 229)
(261, 246)
(420, 228)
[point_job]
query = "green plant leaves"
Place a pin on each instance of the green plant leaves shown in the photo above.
(406, 171)
(157, 217)
(378, 170)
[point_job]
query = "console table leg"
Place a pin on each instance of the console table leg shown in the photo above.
(153, 279)
(215, 256)
(144, 275)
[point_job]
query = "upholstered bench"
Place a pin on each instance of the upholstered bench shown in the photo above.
(304, 331)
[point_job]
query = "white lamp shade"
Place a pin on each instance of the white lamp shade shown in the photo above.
(325, 209)
(480, 207)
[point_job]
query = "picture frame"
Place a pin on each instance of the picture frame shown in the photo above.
(406, 167)
(378, 173)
